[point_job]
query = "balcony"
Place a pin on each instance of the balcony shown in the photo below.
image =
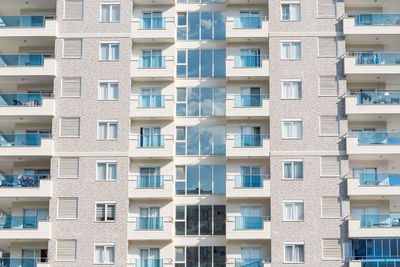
(153, 68)
(375, 262)
(247, 106)
(28, 26)
(364, 103)
(246, 2)
(374, 184)
(31, 65)
(145, 107)
(382, 225)
(25, 144)
(26, 105)
(25, 185)
(243, 262)
(372, 24)
(17, 262)
(246, 146)
(151, 146)
(245, 227)
(155, 186)
(18, 227)
(149, 262)
(150, 228)
(154, 2)
(247, 68)
(159, 30)
(247, 29)
(248, 186)
(372, 63)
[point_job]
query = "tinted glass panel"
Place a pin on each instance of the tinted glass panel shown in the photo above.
(206, 26)
(193, 101)
(192, 140)
(193, 180)
(206, 101)
(206, 63)
(205, 179)
(193, 63)
(205, 220)
(219, 220)
(219, 179)
(219, 26)
(219, 63)
(192, 256)
(192, 219)
(194, 23)
(206, 140)
(219, 101)
(206, 256)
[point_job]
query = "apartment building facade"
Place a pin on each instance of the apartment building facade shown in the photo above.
(193, 133)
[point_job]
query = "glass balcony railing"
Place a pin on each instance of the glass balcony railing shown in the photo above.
(380, 179)
(243, 101)
(18, 262)
(149, 263)
(149, 223)
(150, 181)
(152, 23)
(249, 140)
(377, 58)
(20, 140)
(247, 22)
(21, 60)
(30, 100)
(249, 262)
(248, 61)
(380, 220)
(385, 98)
(150, 141)
(151, 101)
(22, 21)
(377, 138)
(249, 181)
(23, 180)
(377, 19)
(383, 262)
(151, 62)
(18, 222)
(248, 222)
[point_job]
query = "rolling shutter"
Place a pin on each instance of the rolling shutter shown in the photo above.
(330, 166)
(327, 47)
(67, 208)
(66, 250)
(73, 9)
(331, 207)
(70, 127)
(71, 87)
(326, 8)
(72, 48)
(328, 86)
(329, 126)
(69, 168)
(331, 249)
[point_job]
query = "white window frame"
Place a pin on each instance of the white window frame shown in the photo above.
(291, 202)
(111, 4)
(76, 246)
(291, 43)
(109, 50)
(290, 3)
(292, 81)
(293, 244)
(292, 120)
(106, 203)
(104, 245)
(107, 162)
(108, 123)
(108, 82)
(292, 162)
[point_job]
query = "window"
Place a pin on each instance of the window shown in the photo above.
(292, 129)
(67, 208)
(291, 90)
(105, 212)
(72, 48)
(66, 250)
(331, 207)
(290, 11)
(152, 20)
(200, 180)
(106, 171)
(150, 137)
(69, 168)
(152, 59)
(326, 8)
(71, 87)
(291, 50)
(104, 254)
(252, 255)
(205, 140)
(250, 177)
(108, 91)
(201, 63)
(329, 126)
(200, 256)
(201, 26)
(293, 169)
(110, 12)
(148, 254)
(107, 130)
(109, 51)
(330, 166)
(294, 253)
(73, 9)
(70, 127)
(327, 47)
(332, 249)
(200, 102)
(200, 220)
(328, 86)
(293, 211)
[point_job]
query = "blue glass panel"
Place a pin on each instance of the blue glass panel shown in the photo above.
(382, 98)
(151, 101)
(248, 61)
(206, 63)
(181, 33)
(193, 101)
(152, 23)
(249, 262)
(248, 140)
(377, 58)
(149, 263)
(20, 140)
(377, 19)
(21, 100)
(16, 262)
(382, 138)
(380, 220)
(193, 140)
(149, 223)
(180, 148)
(248, 222)
(219, 101)
(181, 109)
(150, 181)
(248, 181)
(206, 101)
(153, 62)
(206, 25)
(193, 26)
(193, 63)
(18, 222)
(192, 180)
(219, 179)
(13, 180)
(151, 141)
(248, 100)
(219, 63)
(219, 26)
(206, 140)
(248, 22)
(219, 140)
(181, 71)
(22, 21)
(21, 60)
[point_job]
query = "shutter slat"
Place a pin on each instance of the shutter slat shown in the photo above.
(73, 9)
(327, 8)
(328, 86)
(330, 166)
(70, 127)
(71, 87)
(66, 250)
(69, 167)
(72, 48)
(67, 208)
(331, 207)
(329, 126)
(327, 46)
(331, 249)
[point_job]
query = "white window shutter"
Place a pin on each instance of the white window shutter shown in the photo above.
(66, 250)
(327, 47)
(71, 87)
(326, 8)
(330, 166)
(72, 48)
(69, 168)
(328, 86)
(67, 208)
(329, 126)
(331, 207)
(73, 9)
(70, 127)
(331, 249)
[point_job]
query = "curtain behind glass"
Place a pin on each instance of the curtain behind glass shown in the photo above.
(101, 171)
(288, 253)
(99, 254)
(294, 12)
(104, 51)
(109, 254)
(115, 13)
(105, 13)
